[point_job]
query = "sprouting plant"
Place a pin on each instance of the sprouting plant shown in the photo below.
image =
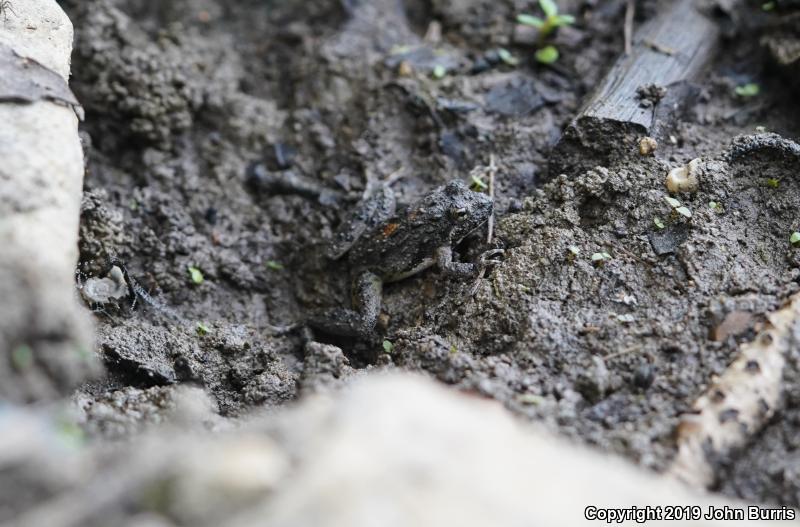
(678, 208)
(439, 72)
(202, 329)
(794, 239)
(274, 266)
(546, 54)
(388, 346)
(599, 259)
(658, 223)
(196, 275)
(550, 23)
(507, 57)
(716, 207)
(478, 184)
(751, 89)
(773, 182)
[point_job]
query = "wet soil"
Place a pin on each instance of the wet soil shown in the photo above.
(194, 107)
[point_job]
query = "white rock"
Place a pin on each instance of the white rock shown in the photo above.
(399, 451)
(41, 179)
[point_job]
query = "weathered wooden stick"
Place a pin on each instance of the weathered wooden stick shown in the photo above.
(669, 51)
(738, 403)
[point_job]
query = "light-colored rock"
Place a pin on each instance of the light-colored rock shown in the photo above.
(398, 451)
(41, 179)
(388, 450)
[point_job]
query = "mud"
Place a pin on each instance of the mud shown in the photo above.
(184, 99)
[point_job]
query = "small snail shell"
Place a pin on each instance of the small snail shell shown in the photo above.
(685, 178)
(104, 290)
(647, 145)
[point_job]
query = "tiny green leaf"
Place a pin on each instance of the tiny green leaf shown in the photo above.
(683, 211)
(626, 319)
(549, 7)
(574, 250)
(507, 57)
(564, 20)
(388, 346)
(674, 203)
(794, 239)
(202, 329)
(751, 89)
(275, 266)
(530, 20)
(768, 6)
(547, 55)
(773, 182)
(716, 207)
(600, 258)
(659, 223)
(453, 349)
(478, 183)
(196, 275)
(439, 71)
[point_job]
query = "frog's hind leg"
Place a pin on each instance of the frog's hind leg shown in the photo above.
(359, 321)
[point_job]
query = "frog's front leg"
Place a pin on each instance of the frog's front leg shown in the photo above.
(462, 270)
(359, 321)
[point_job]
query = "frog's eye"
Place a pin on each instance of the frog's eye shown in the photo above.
(459, 214)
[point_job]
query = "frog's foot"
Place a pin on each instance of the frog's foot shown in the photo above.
(359, 322)
(487, 259)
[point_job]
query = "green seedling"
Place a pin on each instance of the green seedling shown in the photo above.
(773, 182)
(196, 275)
(751, 89)
(507, 57)
(478, 184)
(388, 346)
(546, 54)
(716, 207)
(599, 259)
(550, 22)
(274, 266)
(794, 239)
(658, 223)
(768, 6)
(678, 208)
(439, 72)
(202, 329)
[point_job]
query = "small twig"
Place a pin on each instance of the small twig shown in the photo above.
(630, 11)
(655, 46)
(626, 351)
(492, 171)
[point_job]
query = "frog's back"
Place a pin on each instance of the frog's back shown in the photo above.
(396, 250)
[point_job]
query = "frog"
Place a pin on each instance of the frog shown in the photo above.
(383, 246)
